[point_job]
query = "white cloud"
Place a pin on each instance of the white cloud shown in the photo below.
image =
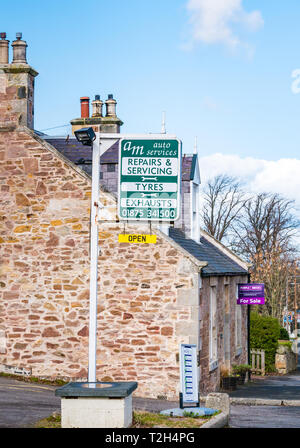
(216, 21)
(280, 176)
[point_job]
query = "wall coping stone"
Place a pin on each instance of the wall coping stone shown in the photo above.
(18, 68)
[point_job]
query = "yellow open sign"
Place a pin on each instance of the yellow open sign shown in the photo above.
(139, 239)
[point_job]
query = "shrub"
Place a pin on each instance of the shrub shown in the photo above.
(240, 368)
(284, 335)
(264, 335)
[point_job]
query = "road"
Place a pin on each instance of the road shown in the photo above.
(264, 417)
(22, 404)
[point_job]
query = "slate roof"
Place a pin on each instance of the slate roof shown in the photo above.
(218, 262)
(71, 148)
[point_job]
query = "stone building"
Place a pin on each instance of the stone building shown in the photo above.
(151, 298)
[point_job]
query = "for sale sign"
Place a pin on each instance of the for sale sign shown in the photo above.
(149, 179)
(251, 294)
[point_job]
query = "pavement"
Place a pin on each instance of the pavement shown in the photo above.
(267, 402)
(245, 416)
(280, 388)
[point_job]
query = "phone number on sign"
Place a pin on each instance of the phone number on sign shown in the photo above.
(147, 214)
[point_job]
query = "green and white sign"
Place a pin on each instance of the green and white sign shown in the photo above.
(149, 179)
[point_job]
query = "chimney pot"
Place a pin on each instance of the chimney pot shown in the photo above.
(4, 49)
(97, 105)
(19, 50)
(111, 106)
(85, 106)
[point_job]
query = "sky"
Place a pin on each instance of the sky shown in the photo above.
(224, 71)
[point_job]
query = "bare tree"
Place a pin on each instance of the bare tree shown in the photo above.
(273, 269)
(223, 202)
(260, 228)
(263, 235)
(267, 223)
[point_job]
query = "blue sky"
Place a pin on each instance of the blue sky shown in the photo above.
(220, 69)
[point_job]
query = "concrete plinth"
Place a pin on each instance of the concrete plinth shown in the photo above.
(96, 405)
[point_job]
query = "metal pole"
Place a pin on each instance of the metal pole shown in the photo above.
(94, 261)
(295, 301)
(249, 332)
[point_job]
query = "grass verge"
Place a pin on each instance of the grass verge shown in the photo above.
(34, 379)
(141, 419)
(154, 420)
(54, 421)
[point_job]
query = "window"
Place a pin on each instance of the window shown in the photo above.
(238, 327)
(111, 167)
(213, 331)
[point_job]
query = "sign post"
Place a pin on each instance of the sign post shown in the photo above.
(149, 179)
(92, 378)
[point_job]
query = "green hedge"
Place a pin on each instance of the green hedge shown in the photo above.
(284, 335)
(264, 335)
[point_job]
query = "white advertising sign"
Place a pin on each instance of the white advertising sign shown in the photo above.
(188, 373)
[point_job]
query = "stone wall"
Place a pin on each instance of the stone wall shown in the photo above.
(148, 294)
(16, 95)
(285, 359)
(210, 379)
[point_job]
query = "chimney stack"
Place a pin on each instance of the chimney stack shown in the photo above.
(85, 107)
(109, 124)
(3, 49)
(111, 106)
(19, 50)
(97, 105)
(16, 85)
